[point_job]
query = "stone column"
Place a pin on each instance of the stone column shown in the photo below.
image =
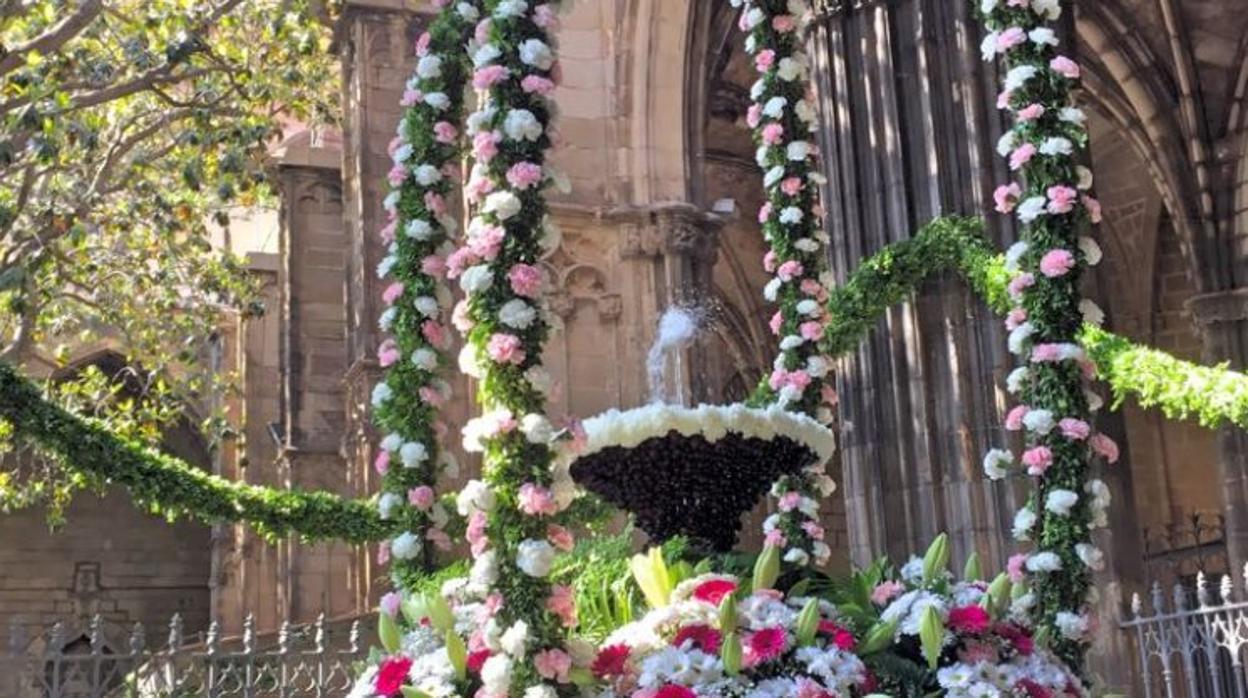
(1222, 320)
(909, 134)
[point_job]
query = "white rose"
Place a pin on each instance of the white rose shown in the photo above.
(536, 53)
(413, 454)
(537, 429)
(521, 125)
(473, 497)
(1060, 502)
(405, 546)
(535, 557)
(429, 66)
(997, 463)
(476, 279)
(516, 313)
(425, 358)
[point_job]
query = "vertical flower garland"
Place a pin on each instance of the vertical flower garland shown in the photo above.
(513, 511)
(418, 303)
(1051, 202)
(783, 117)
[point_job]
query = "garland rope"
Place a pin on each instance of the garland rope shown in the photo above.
(782, 117)
(174, 488)
(419, 227)
(1055, 408)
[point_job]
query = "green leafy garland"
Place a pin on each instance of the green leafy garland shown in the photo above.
(1055, 408)
(514, 512)
(171, 487)
(783, 116)
(425, 151)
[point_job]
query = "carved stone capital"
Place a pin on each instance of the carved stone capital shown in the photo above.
(1222, 307)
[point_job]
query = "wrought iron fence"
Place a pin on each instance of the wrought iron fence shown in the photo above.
(1193, 642)
(310, 660)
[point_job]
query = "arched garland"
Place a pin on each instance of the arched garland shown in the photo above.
(1051, 202)
(783, 116)
(513, 511)
(418, 230)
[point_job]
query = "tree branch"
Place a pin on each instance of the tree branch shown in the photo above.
(54, 38)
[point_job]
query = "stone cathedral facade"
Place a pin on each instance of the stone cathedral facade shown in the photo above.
(652, 135)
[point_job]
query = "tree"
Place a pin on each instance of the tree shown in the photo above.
(128, 129)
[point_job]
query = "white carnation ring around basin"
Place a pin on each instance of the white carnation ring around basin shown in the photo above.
(695, 471)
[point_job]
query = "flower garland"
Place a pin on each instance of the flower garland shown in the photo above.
(425, 151)
(1051, 201)
(513, 511)
(782, 116)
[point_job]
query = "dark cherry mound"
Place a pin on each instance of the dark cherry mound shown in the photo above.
(678, 485)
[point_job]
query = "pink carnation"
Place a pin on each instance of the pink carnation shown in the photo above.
(488, 241)
(477, 188)
(422, 43)
(1065, 67)
(764, 213)
(812, 331)
(505, 349)
(1015, 318)
(461, 318)
(545, 16)
(1104, 447)
(397, 174)
(784, 24)
(481, 32)
(886, 591)
(765, 645)
(486, 77)
(485, 146)
(440, 540)
(1010, 38)
(392, 293)
(1015, 567)
(1046, 353)
(433, 265)
(814, 530)
(459, 260)
(764, 60)
(1003, 100)
(1074, 429)
(790, 501)
(421, 497)
(445, 132)
(526, 280)
(791, 186)
(769, 261)
(754, 115)
(434, 333)
(773, 133)
(1057, 263)
(431, 396)
(1020, 283)
(776, 323)
(387, 232)
(560, 537)
(1006, 197)
(776, 539)
(1037, 459)
(435, 203)
(411, 98)
(790, 270)
(562, 603)
(1094, 209)
(553, 665)
(1031, 112)
(813, 288)
(536, 500)
(474, 533)
(523, 175)
(382, 462)
(1014, 419)
(1022, 155)
(1062, 199)
(388, 353)
(537, 84)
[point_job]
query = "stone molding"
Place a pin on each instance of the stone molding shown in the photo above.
(1218, 308)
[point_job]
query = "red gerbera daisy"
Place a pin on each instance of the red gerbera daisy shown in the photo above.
(1033, 689)
(713, 591)
(704, 637)
(476, 660)
(674, 691)
(391, 675)
(611, 661)
(969, 619)
(842, 638)
(765, 645)
(1019, 638)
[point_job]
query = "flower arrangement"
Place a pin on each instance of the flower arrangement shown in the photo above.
(419, 226)
(1052, 202)
(708, 636)
(783, 116)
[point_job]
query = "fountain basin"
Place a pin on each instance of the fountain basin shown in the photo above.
(695, 471)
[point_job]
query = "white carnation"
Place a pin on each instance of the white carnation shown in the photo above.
(505, 9)
(1057, 146)
(425, 359)
(413, 454)
(521, 125)
(1019, 76)
(1032, 208)
(1014, 381)
(476, 279)
(1060, 502)
(429, 66)
(536, 53)
(775, 106)
(797, 151)
(486, 54)
(1044, 562)
(405, 546)
(537, 429)
(516, 313)
(1091, 312)
(535, 557)
(381, 393)
(1092, 253)
(1039, 421)
(388, 505)
(475, 496)
(426, 306)
(437, 100)
(503, 204)
(515, 639)
(997, 463)
(1091, 556)
(418, 229)
(1024, 522)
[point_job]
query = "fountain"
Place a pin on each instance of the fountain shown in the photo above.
(693, 471)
